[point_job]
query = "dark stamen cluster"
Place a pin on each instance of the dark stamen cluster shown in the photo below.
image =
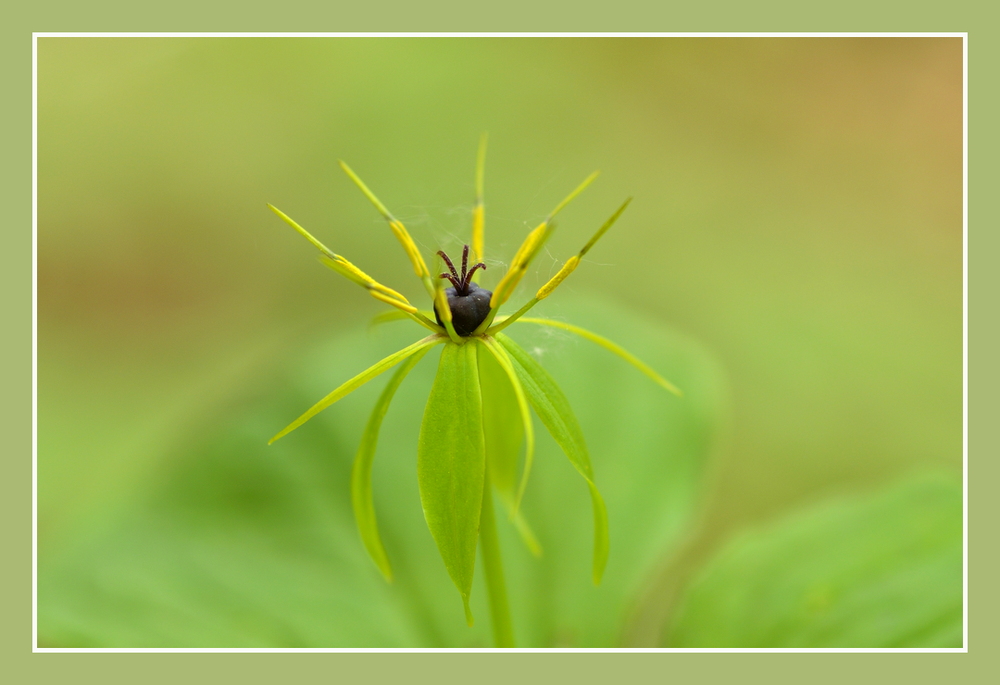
(461, 282)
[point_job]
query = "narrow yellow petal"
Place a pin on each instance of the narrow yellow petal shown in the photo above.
(338, 266)
(444, 311)
(572, 196)
(364, 189)
(441, 304)
(479, 213)
(574, 261)
(420, 317)
(345, 268)
(603, 229)
(478, 230)
(412, 251)
(531, 246)
(393, 301)
(303, 232)
(554, 282)
(348, 270)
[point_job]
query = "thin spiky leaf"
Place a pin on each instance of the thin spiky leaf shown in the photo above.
(398, 229)
(611, 347)
(361, 473)
(531, 246)
(574, 261)
(479, 212)
(340, 265)
(567, 268)
(303, 232)
(572, 196)
(346, 269)
(451, 463)
(553, 409)
(359, 380)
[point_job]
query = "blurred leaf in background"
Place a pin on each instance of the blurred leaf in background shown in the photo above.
(884, 570)
(240, 544)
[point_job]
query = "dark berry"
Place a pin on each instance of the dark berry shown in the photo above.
(469, 310)
(470, 304)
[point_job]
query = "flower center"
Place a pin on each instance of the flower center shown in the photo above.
(461, 282)
(469, 304)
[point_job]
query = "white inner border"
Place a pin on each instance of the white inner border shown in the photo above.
(34, 330)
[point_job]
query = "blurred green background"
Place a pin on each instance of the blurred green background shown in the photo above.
(798, 213)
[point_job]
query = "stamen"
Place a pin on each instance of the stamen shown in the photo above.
(451, 266)
(468, 277)
(453, 280)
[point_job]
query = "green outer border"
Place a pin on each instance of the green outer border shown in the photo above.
(729, 15)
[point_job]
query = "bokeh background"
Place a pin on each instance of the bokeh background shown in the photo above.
(797, 218)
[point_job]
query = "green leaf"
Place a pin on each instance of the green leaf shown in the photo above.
(554, 411)
(225, 542)
(610, 346)
(524, 413)
(451, 463)
(879, 571)
(503, 428)
(361, 473)
(350, 386)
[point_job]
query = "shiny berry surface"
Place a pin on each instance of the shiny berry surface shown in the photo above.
(470, 304)
(469, 310)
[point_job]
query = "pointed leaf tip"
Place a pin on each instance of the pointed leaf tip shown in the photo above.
(469, 618)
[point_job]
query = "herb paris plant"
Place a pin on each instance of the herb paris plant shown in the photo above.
(479, 410)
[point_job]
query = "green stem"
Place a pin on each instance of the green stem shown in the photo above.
(513, 317)
(503, 628)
